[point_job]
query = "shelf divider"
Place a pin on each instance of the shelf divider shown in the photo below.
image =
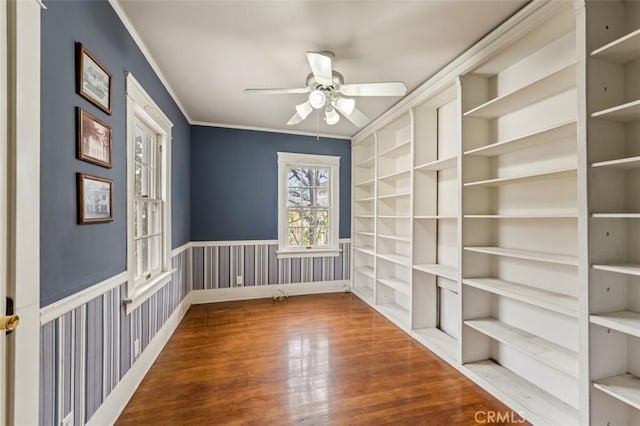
(624, 387)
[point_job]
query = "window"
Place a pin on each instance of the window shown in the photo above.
(308, 205)
(148, 195)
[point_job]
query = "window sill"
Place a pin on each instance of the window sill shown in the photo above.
(287, 254)
(146, 290)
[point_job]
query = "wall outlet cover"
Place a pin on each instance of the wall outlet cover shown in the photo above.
(136, 348)
(239, 280)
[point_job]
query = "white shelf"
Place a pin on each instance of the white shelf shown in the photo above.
(393, 217)
(624, 321)
(538, 90)
(365, 163)
(622, 50)
(365, 199)
(395, 175)
(551, 301)
(365, 270)
(364, 216)
(524, 216)
(542, 350)
(365, 293)
(527, 255)
(398, 150)
(625, 387)
(403, 238)
(447, 284)
(366, 182)
(448, 272)
(552, 174)
(445, 163)
(438, 342)
(395, 312)
(539, 137)
(390, 196)
(395, 258)
(368, 234)
(622, 163)
(365, 250)
(621, 268)
(436, 217)
(624, 113)
(537, 406)
(616, 215)
(396, 284)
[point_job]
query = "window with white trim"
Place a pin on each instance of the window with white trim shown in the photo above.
(308, 205)
(148, 195)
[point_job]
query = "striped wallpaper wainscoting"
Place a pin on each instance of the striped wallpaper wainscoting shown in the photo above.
(219, 265)
(88, 350)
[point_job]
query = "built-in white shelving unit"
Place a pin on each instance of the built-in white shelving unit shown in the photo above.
(496, 215)
(612, 58)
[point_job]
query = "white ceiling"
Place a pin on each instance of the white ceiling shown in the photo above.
(210, 51)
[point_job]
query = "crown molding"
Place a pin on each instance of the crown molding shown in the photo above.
(269, 129)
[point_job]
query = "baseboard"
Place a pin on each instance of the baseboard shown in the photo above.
(118, 399)
(267, 291)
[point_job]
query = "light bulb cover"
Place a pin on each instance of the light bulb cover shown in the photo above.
(317, 99)
(345, 105)
(331, 116)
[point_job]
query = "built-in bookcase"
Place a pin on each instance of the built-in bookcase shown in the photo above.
(364, 218)
(436, 302)
(499, 220)
(613, 161)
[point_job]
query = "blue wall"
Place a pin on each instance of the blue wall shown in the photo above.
(73, 256)
(234, 181)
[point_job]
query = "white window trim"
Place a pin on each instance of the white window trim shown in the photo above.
(140, 105)
(333, 162)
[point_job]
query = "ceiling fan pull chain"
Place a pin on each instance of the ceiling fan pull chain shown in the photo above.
(317, 124)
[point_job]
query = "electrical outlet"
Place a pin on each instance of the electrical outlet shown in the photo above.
(239, 280)
(68, 421)
(136, 348)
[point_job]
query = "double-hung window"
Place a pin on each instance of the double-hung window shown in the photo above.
(148, 195)
(308, 205)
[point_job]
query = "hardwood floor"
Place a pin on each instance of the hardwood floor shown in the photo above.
(310, 360)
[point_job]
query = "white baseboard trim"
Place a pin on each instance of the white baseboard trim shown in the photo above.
(118, 399)
(268, 291)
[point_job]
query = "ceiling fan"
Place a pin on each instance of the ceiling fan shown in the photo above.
(326, 89)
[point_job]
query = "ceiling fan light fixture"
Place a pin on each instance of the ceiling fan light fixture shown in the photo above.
(331, 116)
(317, 99)
(345, 105)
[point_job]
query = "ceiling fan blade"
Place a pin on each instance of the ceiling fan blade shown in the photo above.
(277, 91)
(344, 105)
(321, 67)
(304, 109)
(296, 119)
(357, 118)
(391, 88)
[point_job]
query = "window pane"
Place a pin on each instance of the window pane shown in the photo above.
(294, 237)
(137, 258)
(138, 135)
(294, 197)
(295, 217)
(307, 237)
(136, 220)
(322, 199)
(144, 254)
(308, 218)
(322, 217)
(305, 197)
(152, 183)
(323, 177)
(294, 177)
(144, 217)
(138, 173)
(322, 236)
(154, 218)
(154, 253)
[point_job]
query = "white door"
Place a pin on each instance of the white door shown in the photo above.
(20, 208)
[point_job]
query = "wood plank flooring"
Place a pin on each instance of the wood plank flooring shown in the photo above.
(310, 360)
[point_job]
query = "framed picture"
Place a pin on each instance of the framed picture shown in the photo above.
(95, 199)
(93, 80)
(93, 139)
